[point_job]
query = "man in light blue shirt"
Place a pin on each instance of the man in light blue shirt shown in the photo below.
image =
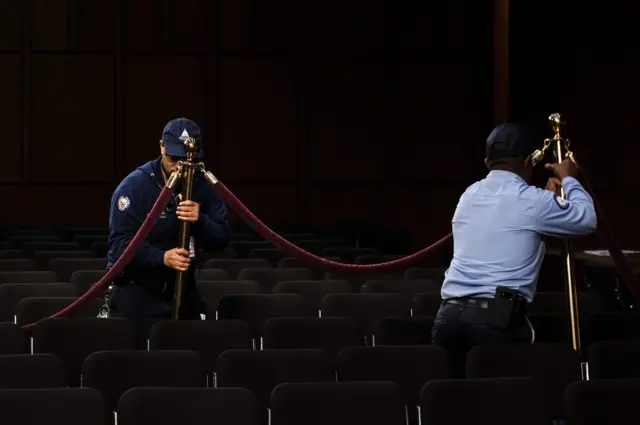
(498, 230)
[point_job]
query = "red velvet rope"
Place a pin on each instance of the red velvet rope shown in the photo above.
(605, 232)
(99, 287)
(298, 252)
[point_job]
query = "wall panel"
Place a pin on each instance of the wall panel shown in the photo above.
(48, 23)
(189, 25)
(72, 119)
(11, 27)
(159, 89)
(344, 104)
(257, 119)
(425, 109)
(96, 25)
(256, 26)
(271, 203)
(10, 118)
(144, 24)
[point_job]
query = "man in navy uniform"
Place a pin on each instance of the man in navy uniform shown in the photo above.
(498, 230)
(144, 291)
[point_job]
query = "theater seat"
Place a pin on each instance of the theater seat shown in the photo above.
(337, 403)
(188, 406)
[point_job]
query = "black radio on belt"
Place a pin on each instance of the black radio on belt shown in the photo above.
(504, 308)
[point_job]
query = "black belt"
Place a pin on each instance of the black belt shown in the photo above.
(475, 302)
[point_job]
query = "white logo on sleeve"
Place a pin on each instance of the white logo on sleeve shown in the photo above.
(185, 135)
(562, 203)
(123, 203)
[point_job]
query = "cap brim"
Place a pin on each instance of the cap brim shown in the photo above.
(175, 149)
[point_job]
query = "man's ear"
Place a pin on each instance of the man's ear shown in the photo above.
(528, 161)
(487, 163)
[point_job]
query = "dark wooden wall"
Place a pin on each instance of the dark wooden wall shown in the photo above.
(313, 111)
(584, 62)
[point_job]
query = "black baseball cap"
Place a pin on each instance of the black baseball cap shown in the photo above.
(176, 132)
(509, 140)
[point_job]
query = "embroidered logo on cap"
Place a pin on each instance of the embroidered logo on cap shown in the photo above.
(184, 135)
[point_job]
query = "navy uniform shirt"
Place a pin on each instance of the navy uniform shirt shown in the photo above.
(498, 230)
(131, 203)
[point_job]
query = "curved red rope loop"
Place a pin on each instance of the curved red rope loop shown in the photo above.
(298, 252)
(125, 258)
(606, 233)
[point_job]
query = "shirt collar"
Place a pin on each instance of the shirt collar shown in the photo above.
(503, 175)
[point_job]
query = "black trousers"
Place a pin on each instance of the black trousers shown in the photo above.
(144, 307)
(458, 328)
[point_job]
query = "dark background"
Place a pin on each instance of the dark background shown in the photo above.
(314, 111)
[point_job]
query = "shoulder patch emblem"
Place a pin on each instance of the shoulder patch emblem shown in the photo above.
(562, 203)
(123, 203)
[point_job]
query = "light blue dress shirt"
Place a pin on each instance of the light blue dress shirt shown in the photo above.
(498, 230)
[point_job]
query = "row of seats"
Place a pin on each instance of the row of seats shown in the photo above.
(244, 300)
(496, 401)
(555, 368)
(74, 339)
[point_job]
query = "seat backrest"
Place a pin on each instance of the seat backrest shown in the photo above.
(207, 338)
(83, 280)
(245, 247)
(551, 327)
(366, 309)
(32, 371)
(556, 302)
(166, 406)
(211, 274)
(256, 309)
(17, 265)
(212, 291)
(73, 340)
(406, 286)
(555, 365)
(294, 263)
(12, 293)
(313, 291)
(68, 406)
(613, 326)
(273, 255)
(42, 258)
(337, 403)
(13, 339)
(269, 277)
(114, 372)
(28, 277)
(426, 304)
(65, 267)
(497, 401)
(235, 265)
(431, 273)
(602, 401)
(408, 366)
(403, 331)
(30, 248)
(332, 334)
(261, 370)
(32, 309)
(348, 254)
(614, 360)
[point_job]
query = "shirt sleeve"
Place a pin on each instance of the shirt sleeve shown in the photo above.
(125, 218)
(573, 216)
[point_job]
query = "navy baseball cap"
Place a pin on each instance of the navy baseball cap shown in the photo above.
(176, 132)
(509, 140)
